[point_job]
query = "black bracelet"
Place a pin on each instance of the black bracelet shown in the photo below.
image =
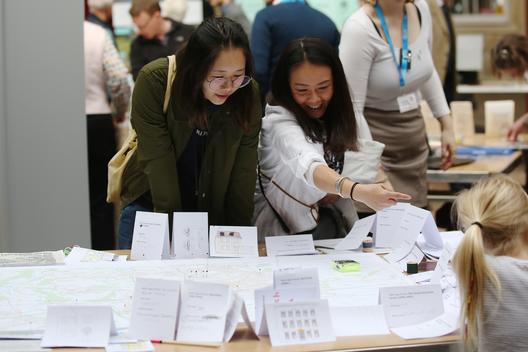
(352, 190)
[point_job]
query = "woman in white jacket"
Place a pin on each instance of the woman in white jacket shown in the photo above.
(308, 127)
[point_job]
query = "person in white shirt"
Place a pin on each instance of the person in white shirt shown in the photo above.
(491, 265)
(510, 56)
(308, 127)
(386, 53)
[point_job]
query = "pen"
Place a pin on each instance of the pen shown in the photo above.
(190, 343)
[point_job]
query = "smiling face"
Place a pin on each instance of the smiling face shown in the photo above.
(230, 65)
(312, 87)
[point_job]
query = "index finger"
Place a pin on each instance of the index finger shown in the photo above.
(398, 196)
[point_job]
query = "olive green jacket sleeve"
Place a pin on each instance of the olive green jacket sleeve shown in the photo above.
(155, 148)
(241, 189)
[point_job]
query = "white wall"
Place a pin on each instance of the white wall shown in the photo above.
(44, 200)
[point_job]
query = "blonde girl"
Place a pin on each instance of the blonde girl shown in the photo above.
(491, 265)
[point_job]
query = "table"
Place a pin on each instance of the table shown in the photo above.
(244, 341)
(493, 87)
(483, 166)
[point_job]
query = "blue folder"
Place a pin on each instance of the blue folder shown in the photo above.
(484, 150)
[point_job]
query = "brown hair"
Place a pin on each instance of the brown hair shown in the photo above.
(494, 214)
(511, 52)
(149, 6)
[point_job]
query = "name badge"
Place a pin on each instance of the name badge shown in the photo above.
(407, 102)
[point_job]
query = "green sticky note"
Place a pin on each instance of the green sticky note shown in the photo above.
(346, 266)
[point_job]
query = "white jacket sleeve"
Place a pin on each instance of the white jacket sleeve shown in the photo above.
(357, 56)
(295, 150)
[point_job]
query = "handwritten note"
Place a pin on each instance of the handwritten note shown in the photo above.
(190, 235)
(408, 305)
(203, 312)
(154, 309)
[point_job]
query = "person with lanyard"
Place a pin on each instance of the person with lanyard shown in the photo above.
(308, 128)
(201, 155)
(386, 53)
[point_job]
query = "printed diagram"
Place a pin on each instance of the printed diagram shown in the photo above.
(194, 244)
(299, 324)
(228, 243)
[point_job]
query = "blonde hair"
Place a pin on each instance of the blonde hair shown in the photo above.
(494, 214)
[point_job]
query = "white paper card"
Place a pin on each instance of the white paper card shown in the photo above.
(190, 235)
(289, 245)
(357, 234)
(409, 305)
(151, 236)
(412, 223)
(233, 241)
(463, 120)
(439, 326)
(85, 255)
(77, 326)
(296, 278)
(236, 308)
(285, 295)
(203, 312)
(299, 323)
(387, 221)
(469, 53)
(499, 116)
(154, 309)
(442, 265)
(433, 240)
(407, 102)
(359, 321)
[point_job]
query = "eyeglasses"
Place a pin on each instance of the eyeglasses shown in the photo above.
(220, 83)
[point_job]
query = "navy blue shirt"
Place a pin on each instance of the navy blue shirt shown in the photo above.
(276, 26)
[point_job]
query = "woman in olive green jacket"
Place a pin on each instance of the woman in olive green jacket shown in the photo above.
(202, 154)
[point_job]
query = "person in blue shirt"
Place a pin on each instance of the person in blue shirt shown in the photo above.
(276, 26)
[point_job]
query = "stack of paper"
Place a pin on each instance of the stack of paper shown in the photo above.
(32, 259)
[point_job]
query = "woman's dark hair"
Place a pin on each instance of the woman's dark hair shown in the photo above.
(511, 52)
(194, 61)
(337, 128)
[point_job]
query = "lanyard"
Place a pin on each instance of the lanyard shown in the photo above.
(402, 67)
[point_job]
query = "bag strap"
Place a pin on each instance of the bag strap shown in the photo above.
(285, 227)
(281, 220)
(171, 74)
